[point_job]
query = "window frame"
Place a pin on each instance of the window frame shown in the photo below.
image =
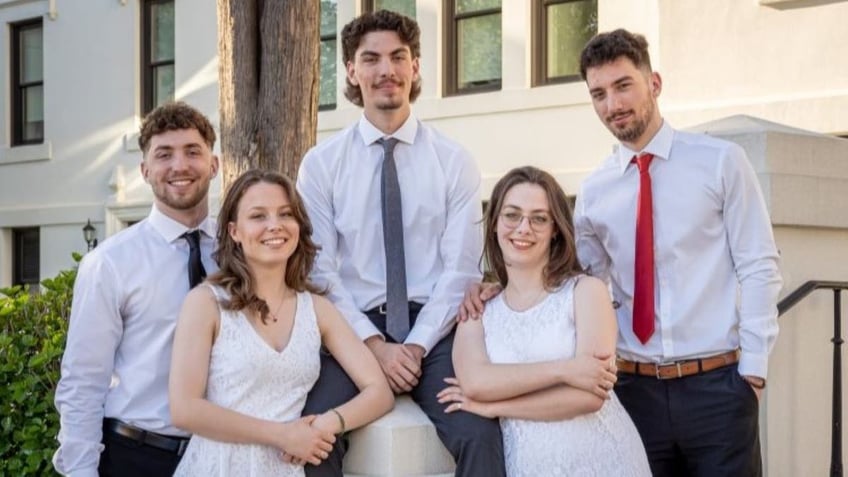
(334, 36)
(539, 70)
(19, 235)
(18, 88)
(451, 50)
(368, 7)
(148, 67)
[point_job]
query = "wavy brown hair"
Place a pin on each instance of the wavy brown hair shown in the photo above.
(174, 116)
(234, 274)
(381, 20)
(607, 47)
(562, 257)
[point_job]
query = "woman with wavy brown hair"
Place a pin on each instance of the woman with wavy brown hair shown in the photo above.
(540, 357)
(246, 349)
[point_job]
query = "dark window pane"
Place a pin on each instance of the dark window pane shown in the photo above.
(31, 55)
(404, 7)
(162, 32)
(163, 84)
(479, 61)
(327, 86)
(467, 6)
(27, 268)
(33, 113)
(570, 25)
(328, 17)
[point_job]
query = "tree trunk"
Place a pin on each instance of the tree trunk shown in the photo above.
(268, 84)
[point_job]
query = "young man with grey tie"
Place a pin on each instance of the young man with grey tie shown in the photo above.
(113, 392)
(395, 207)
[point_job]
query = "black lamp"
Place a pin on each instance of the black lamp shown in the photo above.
(89, 232)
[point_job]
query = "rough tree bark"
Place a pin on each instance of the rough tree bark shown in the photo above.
(268, 83)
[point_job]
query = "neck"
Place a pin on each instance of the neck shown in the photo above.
(388, 120)
(523, 282)
(191, 218)
(269, 282)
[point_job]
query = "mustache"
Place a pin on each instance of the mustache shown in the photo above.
(388, 82)
(620, 114)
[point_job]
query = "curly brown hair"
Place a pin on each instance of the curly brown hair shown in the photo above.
(562, 257)
(607, 47)
(381, 20)
(234, 274)
(173, 116)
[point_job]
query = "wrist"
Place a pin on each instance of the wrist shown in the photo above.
(374, 343)
(755, 381)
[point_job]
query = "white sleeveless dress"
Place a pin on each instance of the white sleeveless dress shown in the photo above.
(603, 444)
(249, 376)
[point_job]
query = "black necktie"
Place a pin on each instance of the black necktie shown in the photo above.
(196, 272)
(397, 304)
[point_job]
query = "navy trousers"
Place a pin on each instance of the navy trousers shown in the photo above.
(700, 425)
(475, 442)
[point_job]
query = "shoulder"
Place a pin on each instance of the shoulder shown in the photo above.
(608, 170)
(322, 306)
(117, 251)
(589, 288)
(328, 148)
(705, 143)
(444, 146)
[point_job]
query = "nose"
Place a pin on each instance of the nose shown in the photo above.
(385, 67)
(613, 102)
(180, 161)
(523, 224)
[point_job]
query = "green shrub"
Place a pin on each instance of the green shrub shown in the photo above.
(32, 338)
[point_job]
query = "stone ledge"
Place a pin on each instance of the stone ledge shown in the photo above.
(401, 443)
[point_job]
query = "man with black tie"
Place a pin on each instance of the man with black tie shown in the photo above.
(395, 207)
(113, 393)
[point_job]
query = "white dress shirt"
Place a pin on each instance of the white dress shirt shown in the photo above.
(339, 181)
(716, 263)
(127, 296)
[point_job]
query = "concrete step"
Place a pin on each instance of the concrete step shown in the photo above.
(401, 443)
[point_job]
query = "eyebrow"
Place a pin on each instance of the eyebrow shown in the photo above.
(614, 83)
(510, 206)
(402, 49)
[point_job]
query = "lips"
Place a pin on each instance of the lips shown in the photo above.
(274, 242)
(521, 244)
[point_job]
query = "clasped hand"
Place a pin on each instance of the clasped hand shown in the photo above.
(400, 363)
(306, 440)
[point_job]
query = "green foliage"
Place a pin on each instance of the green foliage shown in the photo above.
(32, 338)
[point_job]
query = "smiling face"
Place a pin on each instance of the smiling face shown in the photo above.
(625, 99)
(525, 227)
(265, 225)
(384, 70)
(179, 166)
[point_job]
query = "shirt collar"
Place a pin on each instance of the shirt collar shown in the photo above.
(405, 133)
(659, 146)
(172, 230)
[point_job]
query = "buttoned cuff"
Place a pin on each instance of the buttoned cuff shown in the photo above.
(423, 336)
(363, 327)
(753, 364)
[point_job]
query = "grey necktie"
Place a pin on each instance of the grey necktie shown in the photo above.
(397, 303)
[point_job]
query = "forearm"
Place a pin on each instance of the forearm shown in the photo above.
(372, 402)
(497, 382)
(553, 404)
(201, 417)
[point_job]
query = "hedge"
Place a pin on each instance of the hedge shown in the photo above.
(32, 339)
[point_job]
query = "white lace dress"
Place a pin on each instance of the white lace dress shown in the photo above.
(601, 444)
(249, 376)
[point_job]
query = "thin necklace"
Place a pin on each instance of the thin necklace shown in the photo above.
(279, 307)
(534, 302)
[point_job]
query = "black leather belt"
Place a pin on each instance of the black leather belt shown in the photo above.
(174, 444)
(414, 308)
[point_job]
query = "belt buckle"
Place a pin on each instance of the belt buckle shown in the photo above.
(382, 309)
(182, 447)
(679, 371)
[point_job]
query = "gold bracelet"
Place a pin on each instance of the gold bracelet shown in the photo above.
(341, 421)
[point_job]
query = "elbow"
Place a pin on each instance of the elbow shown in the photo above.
(593, 404)
(475, 389)
(180, 414)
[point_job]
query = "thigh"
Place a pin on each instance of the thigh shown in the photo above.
(123, 457)
(717, 416)
(645, 399)
(333, 388)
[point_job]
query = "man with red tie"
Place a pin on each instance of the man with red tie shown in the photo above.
(676, 223)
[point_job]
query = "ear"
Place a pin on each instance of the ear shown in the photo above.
(144, 171)
(656, 84)
(231, 229)
(416, 68)
(215, 165)
(351, 73)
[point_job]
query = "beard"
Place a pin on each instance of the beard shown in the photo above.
(634, 130)
(182, 201)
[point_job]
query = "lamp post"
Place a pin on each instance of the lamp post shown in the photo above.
(89, 233)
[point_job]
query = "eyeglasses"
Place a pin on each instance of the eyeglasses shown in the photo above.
(537, 222)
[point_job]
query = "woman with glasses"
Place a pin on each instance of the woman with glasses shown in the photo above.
(541, 358)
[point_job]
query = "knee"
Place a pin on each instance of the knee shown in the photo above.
(477, 433)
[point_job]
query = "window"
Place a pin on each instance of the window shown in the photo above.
(27, 83)
(404, 7)
(561, 30)
(157, 53)
(25, 258)
(473, 46)
(327, 85)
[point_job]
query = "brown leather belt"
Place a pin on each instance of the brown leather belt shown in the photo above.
(678, 369)
(174, 444)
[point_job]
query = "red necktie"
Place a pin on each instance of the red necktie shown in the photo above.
(643, 276)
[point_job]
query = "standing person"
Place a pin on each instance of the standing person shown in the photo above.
(113, 393)
(540, 357)
(395, 207)
(246, 349)
(678, 225)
